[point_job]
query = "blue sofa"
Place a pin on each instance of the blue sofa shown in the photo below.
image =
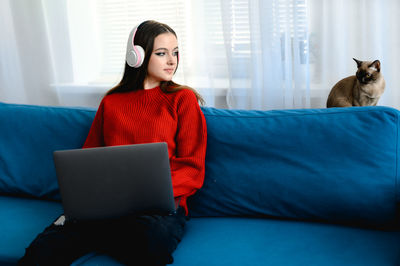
(290, 187)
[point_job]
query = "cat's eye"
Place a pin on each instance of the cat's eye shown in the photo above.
(368, 75)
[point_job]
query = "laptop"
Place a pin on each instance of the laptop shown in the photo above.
(113, 181)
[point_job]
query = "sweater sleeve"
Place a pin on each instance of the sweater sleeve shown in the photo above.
(188, 164)
(95, 137)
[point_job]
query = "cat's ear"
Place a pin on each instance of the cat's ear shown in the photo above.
(376, 64)
(358, 62)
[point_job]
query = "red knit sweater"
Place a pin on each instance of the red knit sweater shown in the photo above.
(146, 116)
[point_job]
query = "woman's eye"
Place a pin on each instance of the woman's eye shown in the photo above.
(176, 53)
(160, 54)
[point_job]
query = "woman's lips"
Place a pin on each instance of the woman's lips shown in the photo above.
(169, 70)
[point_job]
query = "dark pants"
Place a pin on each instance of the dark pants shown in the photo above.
(132, 240)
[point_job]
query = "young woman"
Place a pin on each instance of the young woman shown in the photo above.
(146, 106)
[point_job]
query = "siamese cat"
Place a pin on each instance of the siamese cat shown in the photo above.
(363, 89)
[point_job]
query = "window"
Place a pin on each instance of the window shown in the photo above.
(219, 41)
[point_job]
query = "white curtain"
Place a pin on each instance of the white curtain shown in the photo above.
(267, 53)
(247, 54)
(26, 67)
(344, 29)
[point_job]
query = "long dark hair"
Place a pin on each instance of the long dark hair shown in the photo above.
(133, 78)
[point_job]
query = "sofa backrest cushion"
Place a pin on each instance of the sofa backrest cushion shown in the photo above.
(338, 164)
(28, 136)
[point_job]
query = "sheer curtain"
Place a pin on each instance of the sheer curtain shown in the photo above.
(25, 67)
(344, 29)
(266, 43)
(250, 54)
(33, 52)
(246, 54)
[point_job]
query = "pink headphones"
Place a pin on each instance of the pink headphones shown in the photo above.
(134, 53)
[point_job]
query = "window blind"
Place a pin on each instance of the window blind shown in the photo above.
(289, 20)
(292, 23)
(226, 23)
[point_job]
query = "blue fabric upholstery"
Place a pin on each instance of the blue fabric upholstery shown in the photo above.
(331, 165)
(337, 165)
(28, 136)
(260, 242)
(21, 220)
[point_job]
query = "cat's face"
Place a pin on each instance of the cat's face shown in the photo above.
(368, 72)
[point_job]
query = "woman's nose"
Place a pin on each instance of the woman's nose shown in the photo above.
(171, 60)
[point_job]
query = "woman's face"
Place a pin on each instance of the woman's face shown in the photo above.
(163, 60)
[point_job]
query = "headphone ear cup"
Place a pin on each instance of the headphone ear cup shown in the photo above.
(140, 55)
(135, 56)
(131, 57)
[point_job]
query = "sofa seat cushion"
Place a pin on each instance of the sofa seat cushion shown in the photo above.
(21, 220)
(253, 241)
(257, 241)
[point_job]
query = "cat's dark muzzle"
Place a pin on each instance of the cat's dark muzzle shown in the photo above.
(362, 79)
